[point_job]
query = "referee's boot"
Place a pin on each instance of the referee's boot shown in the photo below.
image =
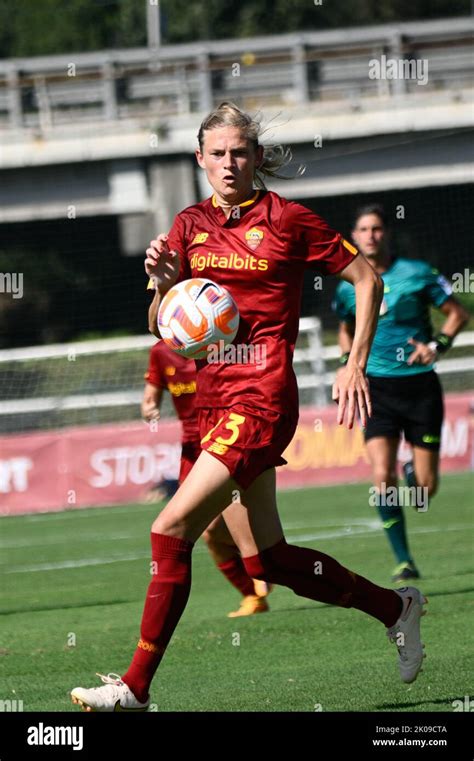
(405, 572)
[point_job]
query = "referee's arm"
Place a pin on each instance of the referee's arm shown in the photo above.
(456, 317)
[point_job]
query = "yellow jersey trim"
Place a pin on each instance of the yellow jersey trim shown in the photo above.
(245, 203)
(350, 248)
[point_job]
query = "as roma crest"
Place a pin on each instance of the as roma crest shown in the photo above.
(253, 237)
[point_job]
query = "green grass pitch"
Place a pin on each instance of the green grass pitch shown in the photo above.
(74, 583)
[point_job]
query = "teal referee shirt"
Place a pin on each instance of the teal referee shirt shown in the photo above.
(410, 287)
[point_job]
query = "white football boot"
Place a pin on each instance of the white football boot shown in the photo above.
(115, 695)
(405, 633)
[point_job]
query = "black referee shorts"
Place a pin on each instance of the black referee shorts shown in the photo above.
(412, 404)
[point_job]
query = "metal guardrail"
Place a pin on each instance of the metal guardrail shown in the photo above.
(60, 401)
(45, 92)
(443, 367)
(315, 355)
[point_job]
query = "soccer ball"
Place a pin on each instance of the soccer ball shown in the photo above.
(195, 314)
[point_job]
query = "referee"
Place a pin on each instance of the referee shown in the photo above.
(406, 392)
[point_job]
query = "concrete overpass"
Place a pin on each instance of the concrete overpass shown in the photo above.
(77, 146)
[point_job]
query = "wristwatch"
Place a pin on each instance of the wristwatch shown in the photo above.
(440, 343)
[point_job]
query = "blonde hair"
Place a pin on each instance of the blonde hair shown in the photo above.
(275, 157)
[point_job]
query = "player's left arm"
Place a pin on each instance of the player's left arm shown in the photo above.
(350, 388)
(325, 249)
(456, 319)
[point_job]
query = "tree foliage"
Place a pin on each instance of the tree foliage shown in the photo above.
(44, 27)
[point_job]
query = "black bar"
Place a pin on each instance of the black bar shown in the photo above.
(321, 735)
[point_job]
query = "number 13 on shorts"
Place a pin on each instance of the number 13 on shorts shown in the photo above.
(232, 425)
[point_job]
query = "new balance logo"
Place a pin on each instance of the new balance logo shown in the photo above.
(45, 735)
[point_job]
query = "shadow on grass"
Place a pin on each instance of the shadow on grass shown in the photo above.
(45, 608)
(312, 606)
(448, 593)
(413, 703)
(321, 606)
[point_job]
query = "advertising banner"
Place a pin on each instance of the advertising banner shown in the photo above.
(112, 464)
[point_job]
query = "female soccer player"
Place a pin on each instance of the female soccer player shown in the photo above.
(405, 390)
(168, 370)
(257, 245)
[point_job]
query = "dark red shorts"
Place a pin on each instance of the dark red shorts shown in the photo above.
(248, 440)
(190, 451)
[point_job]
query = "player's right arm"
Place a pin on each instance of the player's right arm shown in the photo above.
(162, 266)
(153, 314)
(151, 402)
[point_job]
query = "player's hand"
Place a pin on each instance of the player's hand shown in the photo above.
(161, 264)
(150, 411)
(423, 354)
(351, 391)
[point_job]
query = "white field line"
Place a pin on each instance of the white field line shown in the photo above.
(86, 512)
(101, 511)
(17, 544)
(372, 528)
(33, 541)
(73, 564)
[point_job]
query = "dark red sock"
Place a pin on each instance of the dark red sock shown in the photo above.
(234, 571)
(313, 574)
(166, 599)
(378, 602)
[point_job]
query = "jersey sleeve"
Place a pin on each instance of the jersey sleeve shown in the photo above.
(437, 288)
(319, 245)
(341, 305)
(154, 374)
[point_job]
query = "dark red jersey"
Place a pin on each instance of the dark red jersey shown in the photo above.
(169, 370)
(259, 254)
